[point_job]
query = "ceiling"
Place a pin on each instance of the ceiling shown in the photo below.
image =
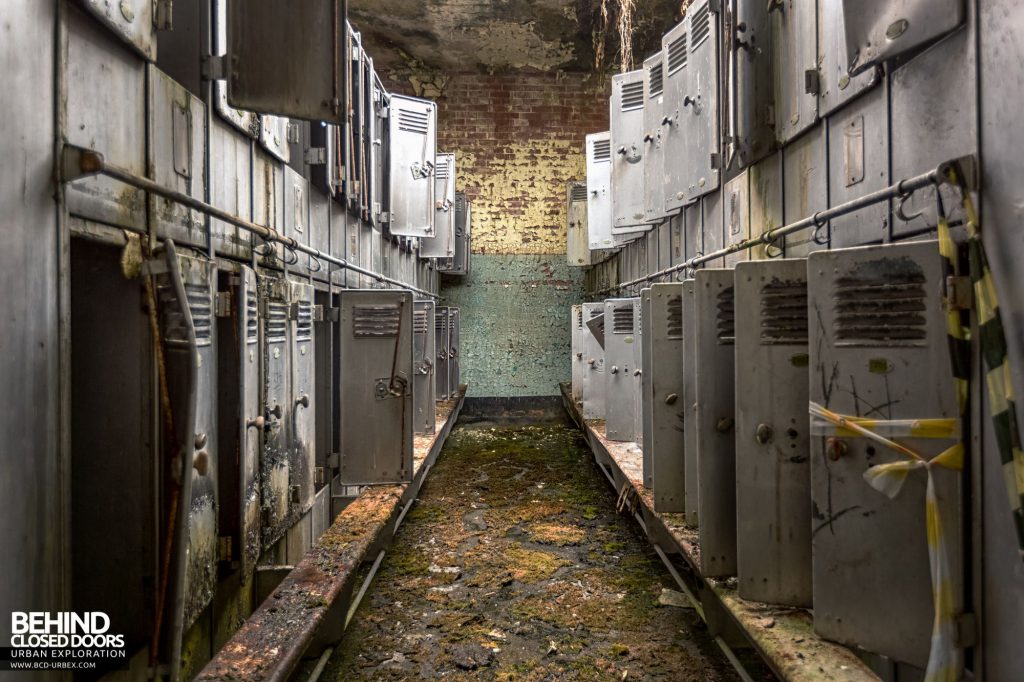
(495, 36)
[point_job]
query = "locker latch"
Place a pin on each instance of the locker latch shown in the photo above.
(162, 15)
(332, 314)
(315, 156)
(222, 304)
(214, 68)
(812, 82)
(318, 313)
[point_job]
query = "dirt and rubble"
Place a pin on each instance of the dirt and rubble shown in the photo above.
(514, 565)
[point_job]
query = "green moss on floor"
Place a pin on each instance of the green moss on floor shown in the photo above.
(514, 565)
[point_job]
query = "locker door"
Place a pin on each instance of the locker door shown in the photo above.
(302, 406)
(424, 349)
(689, 396)
(654, 163)
(621, 389)
(275, 460)
(666, 396)
(412, 140)
(441, 245)
(700, 102)
(676, 134)
(628, 149)
(441, 375)
(794, 66)
(751, 116)
(594, 382)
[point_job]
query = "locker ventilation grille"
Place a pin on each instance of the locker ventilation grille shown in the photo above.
(201, 306)
(726, 317)
(656, 80)
(441, 171)
(675, 317)
(578, 192)
(622, 319)
(414, 121)
(633, 96)
(602, 150)
(579, 319)
(252, 323)
(439, 323)
(878, 305)
(677, 54)
(304, 324)
(277, 322)
(784, 313)
(375, 321)
(700, 25)
(420, 325)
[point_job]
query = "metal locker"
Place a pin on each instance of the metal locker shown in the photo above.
(230, 188)
(664, 246)
(463, 237)
(273, 137)
(441, 373)
(653, 239)
(185, 299)
(133, 21)
(766, 204)
(275, 456)
(176, 158)
(302, 313)
(805, 190)
(412, 130)
(773, 484)
(715, 419)
(676, 107)
(837, 85)
(378, 244)
(577, 247)
(749, 90)
(700, 101)
(879, 350)
(454, 369)
(713, 226)
(621, 388)
(737, 216)
(376, 359)
(379, 193)
(323, 158)
(247, 122)
(691, 487)
(296, 217)
(268, 204)
(794, 66)
(878, 30)
(664, 448)
(594, 382)
(641, 355)
(369, 252)
(653, 132)
(424, 350)
(678, 240)
(628, 147)
(320, 233)
(442, 244)
(693, 230)
(577, 360)
(599, 199)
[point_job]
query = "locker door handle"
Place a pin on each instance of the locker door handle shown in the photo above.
(636, 372)
(201, 462)
(256, 422)
(302, 400)
(614, 369)
(666, 121)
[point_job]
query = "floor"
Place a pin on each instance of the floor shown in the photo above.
(515, 565)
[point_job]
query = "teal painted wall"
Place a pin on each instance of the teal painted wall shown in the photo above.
(515, 323)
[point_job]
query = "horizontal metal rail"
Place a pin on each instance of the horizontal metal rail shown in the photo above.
(78, 162)
(901, 189)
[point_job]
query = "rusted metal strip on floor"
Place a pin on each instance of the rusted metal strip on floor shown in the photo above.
(783, 636)
(273, 640)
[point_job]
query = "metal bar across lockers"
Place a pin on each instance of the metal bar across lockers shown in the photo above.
(78, 163)
(900, 189)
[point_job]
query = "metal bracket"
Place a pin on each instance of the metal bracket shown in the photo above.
(812, 82)
(332, 314)
(318, 313)
(214, 67)
(79, 162)
(315, 156)
(959, 292)
(334, 460)
(222, 304)
(293, 132)
(163, 19)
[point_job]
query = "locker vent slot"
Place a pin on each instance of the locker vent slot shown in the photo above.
(375, 321)
(441, 171)
(420, 325)
(175, 333)
(726, 317)
(675, 317)
(633, 96)
(622, 319)
(578, 192)
(602, 150)
(414, 121)
(252, 323)
(304, 325)
(677, 54)
(784, 313)
(201, 306)
(700, 25)
(879, 305)
(439, 323)
(277, 322)
(579, 319)
(656, 80)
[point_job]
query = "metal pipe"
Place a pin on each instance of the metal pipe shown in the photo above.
(321, 664)
(899, 189)
(362, 589)
(90, 162)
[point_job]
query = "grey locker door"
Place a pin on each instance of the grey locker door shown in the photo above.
(599, 198)
(878, 349)
(666, 395)
(441, 245)
(376, 358)
(441, 375)
(302, 406)
(250, 421)
(424, 349)
(593, 357)
(837, 85)
(185, 298)
(773, 486)
(620, 388)
(275, 462)
(794, 66)
(877, 30)
(654, 157)
(675, 143)
(751, 117)
(412, 130)
(133, 21)
(576, 360)
(455, 371)
(628, 149)
(689, 363)
(700, 101)
(577, 248)
(646, 395)
(716, 408)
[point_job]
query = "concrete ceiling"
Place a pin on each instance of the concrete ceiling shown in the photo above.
(505, 35)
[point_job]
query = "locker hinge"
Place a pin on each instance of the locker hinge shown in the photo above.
(214, 68)
(332, 314)
(812, 82)
(384, 217)
(320, 477)
(316, 156)
(334, 460)
(318, 313)
(716, 161)
(293, 132)
(222, 304)
(163, 11)
(966, 630)
(384, 112)
(959, 292)
(224, 547)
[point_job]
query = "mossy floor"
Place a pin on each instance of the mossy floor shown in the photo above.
(514, 565)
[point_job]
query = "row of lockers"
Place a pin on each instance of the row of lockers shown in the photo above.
(735, 82)
(276, 387)
(712, 378)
